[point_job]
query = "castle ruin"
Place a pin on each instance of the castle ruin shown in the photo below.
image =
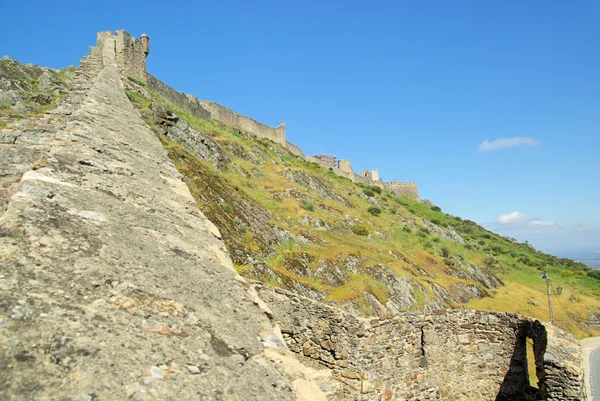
(131, 62)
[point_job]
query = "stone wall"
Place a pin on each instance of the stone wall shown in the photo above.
(243, 123)
(294, 149)
(131, 62)
(131, 56)
(178, 99)
(407, 189)
(448, 354)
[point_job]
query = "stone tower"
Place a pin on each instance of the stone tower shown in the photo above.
(145, 43)
(131, 54)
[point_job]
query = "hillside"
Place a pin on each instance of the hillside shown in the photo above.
(151, 251)
(296, 225)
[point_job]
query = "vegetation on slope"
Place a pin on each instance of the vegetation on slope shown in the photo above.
(296, 225)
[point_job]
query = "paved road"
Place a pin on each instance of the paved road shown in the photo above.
(590, 352)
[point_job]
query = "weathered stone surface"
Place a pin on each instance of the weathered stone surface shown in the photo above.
(113, 285)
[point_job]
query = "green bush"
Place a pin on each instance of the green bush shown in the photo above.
(374, 210)
(310, 206)
(368, 192)
(445, 252)
(490, 261)
(227, 208)
(407, 229)
(436, 208)
(360, 229)
(436, 222)
(448, 262)
(594, 274)
(375, 189)
(423, 232)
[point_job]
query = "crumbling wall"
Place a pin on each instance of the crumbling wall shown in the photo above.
(245, 124)
(446, 354)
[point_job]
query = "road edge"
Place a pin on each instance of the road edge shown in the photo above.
(587, 346)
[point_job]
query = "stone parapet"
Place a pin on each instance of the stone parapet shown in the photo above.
(245, 124)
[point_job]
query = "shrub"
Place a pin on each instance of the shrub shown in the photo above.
(368, 192)
(227, 208)
(374, 210)
(407, 229)
(445, 252)
(360, 229)
(490, 261)
(423, 232)
(448, 262)
(310, 206)
(436, 208)
(375, 189)
(436, 222)
(594, 274)
(567, 272)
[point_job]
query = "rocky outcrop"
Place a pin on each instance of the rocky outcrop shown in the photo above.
(113, 285)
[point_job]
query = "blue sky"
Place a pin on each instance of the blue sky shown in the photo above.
(492, 107)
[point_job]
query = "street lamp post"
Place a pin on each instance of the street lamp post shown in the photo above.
(547, 278)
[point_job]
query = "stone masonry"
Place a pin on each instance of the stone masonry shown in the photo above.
(444, 355)
(113, 285)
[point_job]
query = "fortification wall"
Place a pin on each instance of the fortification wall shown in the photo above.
(447, 354)
(131, 56)
(245, 124)
(294, 149)
(407, 189)
(178, 99)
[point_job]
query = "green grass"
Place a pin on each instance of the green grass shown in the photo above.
(137, 81)
(262, 185)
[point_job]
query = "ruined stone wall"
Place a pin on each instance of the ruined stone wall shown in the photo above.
(406, 189)
(131, 56)
(448, 354)
(294, 149)
(91, 64)
(245, 124)
(344, 165)
(178, 99)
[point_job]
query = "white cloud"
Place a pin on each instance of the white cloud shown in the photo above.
(543, 223)
(521, 220)
(503, 143)
(512, 218)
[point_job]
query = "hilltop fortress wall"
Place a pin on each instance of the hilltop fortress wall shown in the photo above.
(447, 354)
(245, 124)
(131, 56)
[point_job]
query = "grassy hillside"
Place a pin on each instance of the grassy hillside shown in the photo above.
(296, 225)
